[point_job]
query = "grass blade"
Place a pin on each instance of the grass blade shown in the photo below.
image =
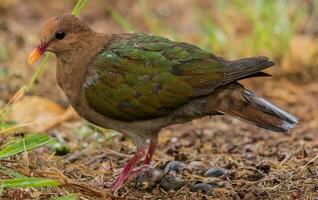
(29, 142)
(67, 197)
(78, 7)
(1, 190)
(38, 71)
(10, 172)
(120, 19)
(29, 182)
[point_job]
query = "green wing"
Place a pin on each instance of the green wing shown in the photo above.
(140, 76)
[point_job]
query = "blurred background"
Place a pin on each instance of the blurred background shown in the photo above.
(286, 31)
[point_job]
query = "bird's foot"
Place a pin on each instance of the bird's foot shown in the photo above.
(119, 182)
(129, 167)
(139, 170)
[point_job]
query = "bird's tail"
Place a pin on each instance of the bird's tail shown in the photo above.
(246, 68)
(235, 100)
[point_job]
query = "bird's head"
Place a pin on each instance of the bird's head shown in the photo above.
(59, 34)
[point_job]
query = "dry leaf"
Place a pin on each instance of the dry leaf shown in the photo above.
(41, 110)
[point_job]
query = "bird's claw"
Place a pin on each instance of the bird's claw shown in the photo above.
(119, 182)
(139, 170)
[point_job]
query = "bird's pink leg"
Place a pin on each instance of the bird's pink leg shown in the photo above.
(151, 150)
(127, 169)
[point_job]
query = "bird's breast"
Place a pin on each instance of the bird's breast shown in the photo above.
(70, 78)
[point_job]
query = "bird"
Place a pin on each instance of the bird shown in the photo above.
(138, 84)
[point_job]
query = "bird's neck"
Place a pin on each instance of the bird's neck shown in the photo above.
(72, 65)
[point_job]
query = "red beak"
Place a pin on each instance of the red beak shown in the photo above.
(37, 52)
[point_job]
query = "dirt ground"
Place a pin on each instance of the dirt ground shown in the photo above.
(248, 162)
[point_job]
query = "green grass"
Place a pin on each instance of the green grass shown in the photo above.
(10, 172)
(30, 141)
(268, 24)
(29, 182)
(3, 74)
(273, 22)
(78, 7)
(119, 18)
(20, 145)
(67, 197)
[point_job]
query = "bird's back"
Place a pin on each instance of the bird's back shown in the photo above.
(140, 76)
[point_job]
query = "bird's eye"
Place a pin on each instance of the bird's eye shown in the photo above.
(60, 35)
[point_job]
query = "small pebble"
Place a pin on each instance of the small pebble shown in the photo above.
(308, 138)
(149, 179)
(201, 187)
(62, 150)
(229, 148)
(295, 195)
(250, 156)
(264, 167)
(171, 183)
(215, 182)
(181, 157)
(281, 157)
(199, 133)
(173, 167)
(197, 166)
(217, 172)
(172, 151)
(250, 196)
(174, 140)
(249, 174)
(189, 143)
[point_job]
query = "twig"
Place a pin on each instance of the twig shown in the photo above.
(86, 189)
(117, 153)
(285, 159)
(309, 162)
(9, 161)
